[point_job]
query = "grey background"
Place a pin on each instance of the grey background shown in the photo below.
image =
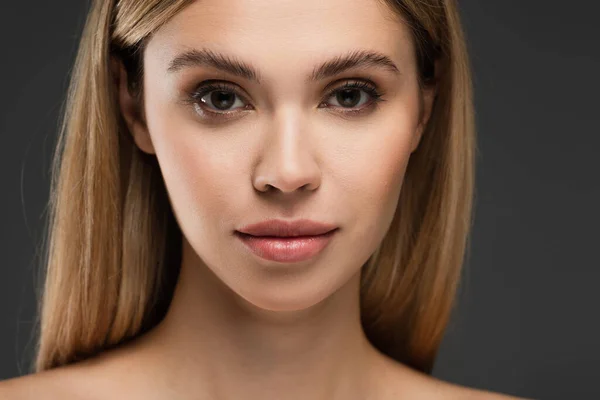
(527, 322)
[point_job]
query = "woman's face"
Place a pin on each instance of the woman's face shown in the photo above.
(280, 142)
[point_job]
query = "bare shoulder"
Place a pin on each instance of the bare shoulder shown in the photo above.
(466, 393)
(78, 381)
(50, 385)
(402, 381)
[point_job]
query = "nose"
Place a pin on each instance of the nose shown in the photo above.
(288, 160)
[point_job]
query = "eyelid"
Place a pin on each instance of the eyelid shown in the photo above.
(212, 85)
(208, 86)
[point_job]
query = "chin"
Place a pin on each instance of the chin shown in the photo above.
(289, 292)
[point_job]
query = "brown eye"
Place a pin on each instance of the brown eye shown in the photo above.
(349, 97)
(351, 94)
(217, 97)
(214, 99)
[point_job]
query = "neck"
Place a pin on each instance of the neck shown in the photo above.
(214, 341)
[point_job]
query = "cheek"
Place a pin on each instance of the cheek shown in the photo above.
(199, 172)
(373, 175)
(375, 170)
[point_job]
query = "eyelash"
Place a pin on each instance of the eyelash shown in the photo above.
(210, 86)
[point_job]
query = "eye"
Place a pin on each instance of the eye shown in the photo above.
(351, 93)
(216, 99)
(216, 96)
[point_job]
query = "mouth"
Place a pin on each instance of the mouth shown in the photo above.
(298, 236)
(288, 228)
(286, 249)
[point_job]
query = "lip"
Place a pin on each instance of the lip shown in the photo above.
(287, 241)
(282, 228)
(286, 249)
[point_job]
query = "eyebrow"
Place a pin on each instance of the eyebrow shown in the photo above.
(336, 65)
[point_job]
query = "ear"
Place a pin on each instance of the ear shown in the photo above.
(131, 108)
(428, 94)
(427, 97)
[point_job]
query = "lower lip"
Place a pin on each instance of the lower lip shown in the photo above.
(286, 249)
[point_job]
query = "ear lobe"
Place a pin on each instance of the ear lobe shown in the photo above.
(130, 109)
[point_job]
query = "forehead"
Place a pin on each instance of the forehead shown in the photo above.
(286, 33)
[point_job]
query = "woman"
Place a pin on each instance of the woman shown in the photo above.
(258, 200)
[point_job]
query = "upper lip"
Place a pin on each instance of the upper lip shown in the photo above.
(278, 227)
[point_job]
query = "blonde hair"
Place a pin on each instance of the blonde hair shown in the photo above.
(114, 247)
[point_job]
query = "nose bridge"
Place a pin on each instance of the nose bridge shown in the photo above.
(288, 156)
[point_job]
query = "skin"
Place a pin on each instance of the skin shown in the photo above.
(239, 326)
(242, 327)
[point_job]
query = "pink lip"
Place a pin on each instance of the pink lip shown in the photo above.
(278, 227)
(286, 249)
